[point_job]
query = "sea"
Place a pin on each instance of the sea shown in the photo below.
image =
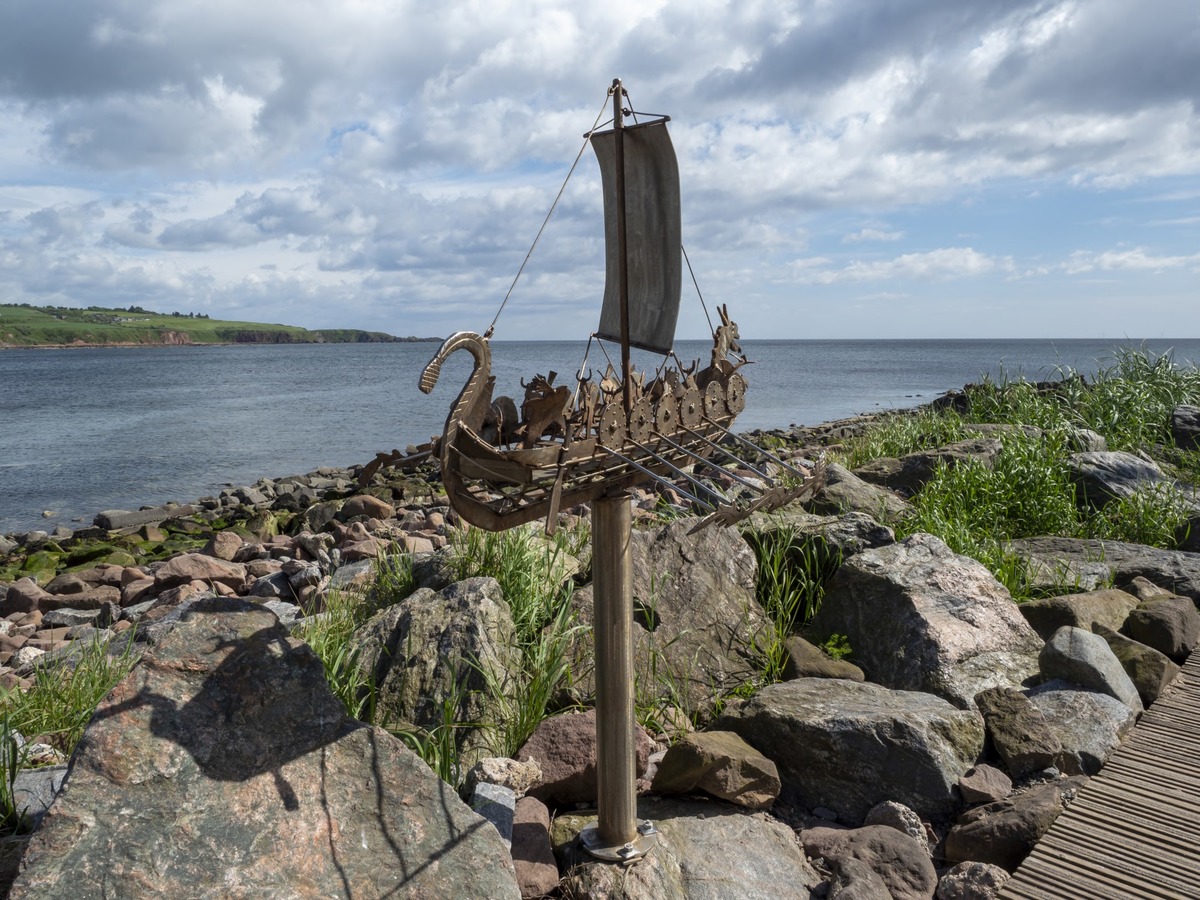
(86, 430)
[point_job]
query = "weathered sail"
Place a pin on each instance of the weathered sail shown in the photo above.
(652, 235)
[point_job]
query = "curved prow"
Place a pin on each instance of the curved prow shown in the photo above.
(468, 408)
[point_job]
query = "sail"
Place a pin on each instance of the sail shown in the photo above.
(652, 235)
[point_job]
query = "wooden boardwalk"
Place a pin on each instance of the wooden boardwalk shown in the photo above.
(1134, 829)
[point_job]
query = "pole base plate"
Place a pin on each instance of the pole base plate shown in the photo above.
(626, 852)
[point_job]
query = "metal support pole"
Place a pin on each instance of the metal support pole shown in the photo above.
(617, 835)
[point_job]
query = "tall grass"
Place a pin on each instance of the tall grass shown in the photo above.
(62, 698)
(1027, 492)
(792, 572)
(534, 576)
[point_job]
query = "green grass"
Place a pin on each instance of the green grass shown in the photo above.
(531, 574)
(977, 509)
(59, 704)
(792, 573)
(31, 326)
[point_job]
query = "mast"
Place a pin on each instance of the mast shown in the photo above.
(618, 90)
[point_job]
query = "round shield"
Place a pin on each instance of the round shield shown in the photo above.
(735, 393)
(691, 408)
(641, 420)
(714, 400)
(666, 414)
(612, 426)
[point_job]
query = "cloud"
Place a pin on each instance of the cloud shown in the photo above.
(871, 234)
(1136, 259)
(377, 159)
(934, 265)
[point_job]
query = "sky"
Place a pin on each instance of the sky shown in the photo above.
(849, 168)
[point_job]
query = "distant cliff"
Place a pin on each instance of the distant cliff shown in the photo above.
(24, 325)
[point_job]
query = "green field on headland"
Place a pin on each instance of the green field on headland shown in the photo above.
(23, 325)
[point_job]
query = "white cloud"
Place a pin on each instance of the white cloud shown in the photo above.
(1136, 259)
(386, 156)
(871, 234)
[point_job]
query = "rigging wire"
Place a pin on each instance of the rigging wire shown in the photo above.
(696, 284)
(586, 140)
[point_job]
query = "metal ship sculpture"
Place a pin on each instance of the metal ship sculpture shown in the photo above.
(504, 465)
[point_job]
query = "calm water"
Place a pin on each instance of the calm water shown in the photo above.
(87, 430)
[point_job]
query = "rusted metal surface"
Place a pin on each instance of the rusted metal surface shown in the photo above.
(1134, 829)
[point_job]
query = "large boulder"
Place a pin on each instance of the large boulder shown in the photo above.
(224, 766)
(697, 622)
(921, 618)
(847, 746)
(437, 648)
(1088, 564)
(1104, 476)
(704, 851)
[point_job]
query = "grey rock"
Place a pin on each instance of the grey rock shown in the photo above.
(833, 537)
(846, 492)
(35, 789)
(697, 621)
(66, 617)
(1171, 626)
(434, 647)
(1151, 671)
(849, 746)
(1019, 732)
(233, 738)
(513, 774)
(289, 614)
(353, 575)
(898, 816)
(1185, 427)
(1090, 725)
(920, 617)
(1087, 564)
(7, 545)
(273, 586)
(705, 851)
(1101, 477)
(898, 859)
(116, 519)
(1004, 833)
(498, 805)
(1084, 440)
(972, 881)
(1084, 658)
(1108, 607)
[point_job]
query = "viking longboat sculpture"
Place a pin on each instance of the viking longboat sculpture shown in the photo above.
(573, 446)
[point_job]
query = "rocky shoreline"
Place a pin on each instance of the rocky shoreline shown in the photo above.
(928, 768)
